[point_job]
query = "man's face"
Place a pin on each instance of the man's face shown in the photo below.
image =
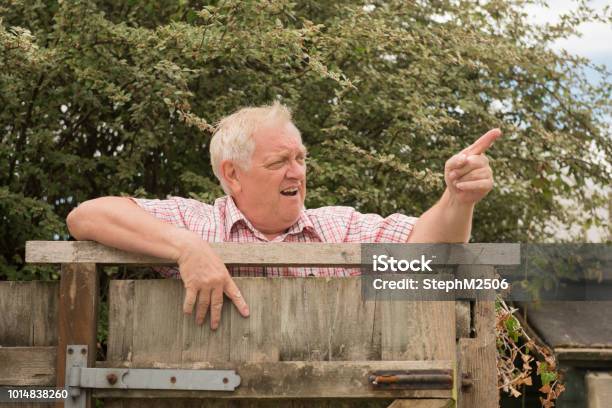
(271, 192)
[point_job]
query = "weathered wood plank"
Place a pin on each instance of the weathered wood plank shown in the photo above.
(28, 313)
(423, 403)
(256, 338)
(286, 403)
(158, 321)
(296, 379)
(16, 314)
(121, 325)
(78, 314)
(417, 330)
(583, 354)
(477, 355)
(200, 343)
(326, 319)
(355, 331)
(599, 389)
(477, 359)
(45, 313)
(279, 254)
(305, 319)
(27, 366)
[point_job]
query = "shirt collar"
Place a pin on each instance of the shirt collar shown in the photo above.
(233, 215)
(302, 223)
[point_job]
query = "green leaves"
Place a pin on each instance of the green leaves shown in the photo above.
(108, 97)
(546, 376)
(513, 327)
(23, 218)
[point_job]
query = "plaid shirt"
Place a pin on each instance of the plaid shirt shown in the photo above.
(224, 222)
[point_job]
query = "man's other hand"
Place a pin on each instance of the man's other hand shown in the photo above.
(467, 174)
(206, 279)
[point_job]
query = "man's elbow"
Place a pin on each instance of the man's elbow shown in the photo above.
(77, 221)
(80, 219)
(83, 222)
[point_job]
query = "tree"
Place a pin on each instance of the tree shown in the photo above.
(107, 97)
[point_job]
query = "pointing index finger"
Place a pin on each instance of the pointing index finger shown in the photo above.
(483, 143)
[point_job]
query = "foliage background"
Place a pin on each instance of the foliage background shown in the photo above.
(119, 97)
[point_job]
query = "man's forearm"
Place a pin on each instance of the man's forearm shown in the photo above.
(447, 221)
(119, 223)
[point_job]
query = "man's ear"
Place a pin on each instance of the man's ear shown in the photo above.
(230, 175)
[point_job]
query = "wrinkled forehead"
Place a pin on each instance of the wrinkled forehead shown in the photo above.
(278, 135)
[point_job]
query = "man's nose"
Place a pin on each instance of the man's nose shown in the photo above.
(296, 170)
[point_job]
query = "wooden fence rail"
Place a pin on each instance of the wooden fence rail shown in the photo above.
(277, 254)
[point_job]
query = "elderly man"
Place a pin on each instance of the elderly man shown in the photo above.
(258, 156)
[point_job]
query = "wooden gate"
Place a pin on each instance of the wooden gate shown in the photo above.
(308, 341)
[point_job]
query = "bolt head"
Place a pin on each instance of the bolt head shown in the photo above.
(111, 378)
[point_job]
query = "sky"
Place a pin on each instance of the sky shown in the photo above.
(596, 40)
(595, 44)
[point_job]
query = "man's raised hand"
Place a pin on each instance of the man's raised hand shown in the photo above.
(206, 279)
(467, 174)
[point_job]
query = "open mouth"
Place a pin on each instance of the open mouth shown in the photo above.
(290, 192)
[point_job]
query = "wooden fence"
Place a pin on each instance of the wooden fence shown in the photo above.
(308, 341)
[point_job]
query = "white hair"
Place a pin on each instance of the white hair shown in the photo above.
(233, 140)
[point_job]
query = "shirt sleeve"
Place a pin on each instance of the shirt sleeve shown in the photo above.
(176, 211)
(395, 228)
(171, 211)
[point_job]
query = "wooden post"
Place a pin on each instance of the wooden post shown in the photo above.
(78, 314)
(599, 389)
(477, 355)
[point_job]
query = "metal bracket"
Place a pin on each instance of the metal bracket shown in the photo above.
(79, 377)
(76, 356)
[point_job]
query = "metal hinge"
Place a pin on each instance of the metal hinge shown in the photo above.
(80, 378)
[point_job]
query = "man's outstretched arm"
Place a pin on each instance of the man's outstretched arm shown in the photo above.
(120, 223)
(468, 180)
